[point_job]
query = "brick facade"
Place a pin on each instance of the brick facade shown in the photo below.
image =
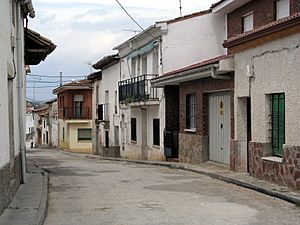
(66, 99)
(201, 88)
(286, 173)
(264, 12)
(193, 147)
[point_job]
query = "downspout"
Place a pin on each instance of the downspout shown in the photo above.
(214, 75)
(21, 91)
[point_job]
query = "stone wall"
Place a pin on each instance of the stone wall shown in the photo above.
(192, 148)
(286, 172)
(9, 183)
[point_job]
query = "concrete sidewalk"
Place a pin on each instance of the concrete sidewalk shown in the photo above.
(29, 206)
(223, 173)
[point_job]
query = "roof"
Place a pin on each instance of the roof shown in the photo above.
(37, 47)
(106, 61)
(51, 101)
(201, 13)
(95, 76)
(217, 3)
(275, 26)
(196, 65)
(80, 84)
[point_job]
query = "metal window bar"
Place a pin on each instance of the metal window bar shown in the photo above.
(137, 89)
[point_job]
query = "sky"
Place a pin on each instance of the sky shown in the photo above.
(87, 30)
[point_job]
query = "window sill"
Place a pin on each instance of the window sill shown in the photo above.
(156, 146)
(133, 142)
(272, 159)
(190, 130)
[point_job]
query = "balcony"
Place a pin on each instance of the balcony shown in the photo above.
(137, 89)
(80, 113)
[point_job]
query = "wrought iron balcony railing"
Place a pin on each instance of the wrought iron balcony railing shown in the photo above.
(137, 89)
(71, 113)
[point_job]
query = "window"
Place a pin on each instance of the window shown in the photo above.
(63, 134)
(133, 129)
(248, 22)
(101, 112)
(85, 134)
(133, 67)
(282, 8)
(190, 111)
(116, 102)
(278, 123)
(78, 109)
(106, 139)
(156, 132)
(144, 65)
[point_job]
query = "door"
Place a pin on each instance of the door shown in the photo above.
(219, 128)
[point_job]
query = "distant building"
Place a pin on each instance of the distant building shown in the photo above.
(75, 116)
(30, 130)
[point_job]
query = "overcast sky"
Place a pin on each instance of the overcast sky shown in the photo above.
(86, 30)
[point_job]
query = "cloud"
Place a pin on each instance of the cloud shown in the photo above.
(88, 30)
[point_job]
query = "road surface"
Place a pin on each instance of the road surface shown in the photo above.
(93, 191)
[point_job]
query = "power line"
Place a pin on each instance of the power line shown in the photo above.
(130, 16)
(44, 86)
(55, 76)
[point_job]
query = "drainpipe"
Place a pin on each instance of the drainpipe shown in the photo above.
(214, 75)
(21, 91)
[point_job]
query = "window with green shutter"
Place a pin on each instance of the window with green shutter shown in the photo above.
(278, 123)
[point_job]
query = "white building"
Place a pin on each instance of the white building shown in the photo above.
(29, 128)
(13, 59)
(132, 112)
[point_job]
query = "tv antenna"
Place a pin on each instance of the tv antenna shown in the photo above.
(180, 8)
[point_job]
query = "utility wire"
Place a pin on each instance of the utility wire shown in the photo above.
(44, 86)
(55, 76)
(130, 16)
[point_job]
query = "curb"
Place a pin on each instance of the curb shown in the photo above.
(41, 214)
(285, 197)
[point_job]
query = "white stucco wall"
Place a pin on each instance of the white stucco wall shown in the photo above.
(193, 40)
(276, 67)
(109, 82)
(6, 67)
(29, 122)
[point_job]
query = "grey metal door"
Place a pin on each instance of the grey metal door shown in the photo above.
(219, 127)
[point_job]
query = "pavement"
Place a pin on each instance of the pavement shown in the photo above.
(29, 205)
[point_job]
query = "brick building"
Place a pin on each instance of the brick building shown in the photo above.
(75, 116)
(264, 38)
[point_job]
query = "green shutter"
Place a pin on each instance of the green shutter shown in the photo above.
(278, 123)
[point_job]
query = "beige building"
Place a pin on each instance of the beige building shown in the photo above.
(75, 116)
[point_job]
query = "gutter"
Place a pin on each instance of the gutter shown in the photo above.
(194, 74)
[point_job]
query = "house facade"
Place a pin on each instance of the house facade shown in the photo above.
(75, 116)
(199, 95)
(264, 38)
(12, 98)
(107, 123)
(29, 127)
(148, 56)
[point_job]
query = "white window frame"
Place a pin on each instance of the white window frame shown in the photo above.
(248, 18)
(282, 9)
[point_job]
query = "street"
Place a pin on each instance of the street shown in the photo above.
(93, 191)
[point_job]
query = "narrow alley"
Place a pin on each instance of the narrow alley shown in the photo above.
(92, 191)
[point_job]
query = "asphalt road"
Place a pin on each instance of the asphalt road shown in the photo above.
(92, 191)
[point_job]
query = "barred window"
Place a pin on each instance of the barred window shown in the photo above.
(190, 111)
